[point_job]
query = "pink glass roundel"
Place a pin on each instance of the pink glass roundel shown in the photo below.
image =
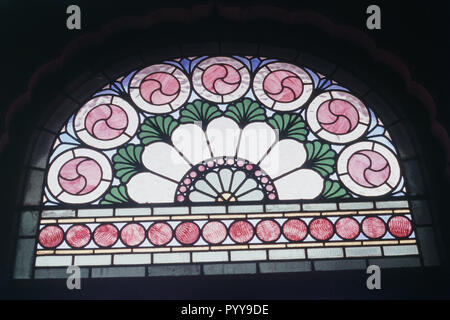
(187, 233)
(268, 230)
(132, 234)
(337, 116)
(105, 235)
(241, 231)
(400, 226)
(347, 228)
(160, 233)
(78, 236)
(106, 122)
(159, 88)
(295, 230)
(221, 79)
(80, 176)
(321, 229)
(368, 168)
(283, 86)
(214, 232)
(373, 227)
(51, 236)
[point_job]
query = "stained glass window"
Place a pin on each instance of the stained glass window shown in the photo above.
(201, 160)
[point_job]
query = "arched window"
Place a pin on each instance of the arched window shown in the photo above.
(200, 163)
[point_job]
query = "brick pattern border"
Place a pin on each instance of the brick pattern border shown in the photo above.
(249, 259)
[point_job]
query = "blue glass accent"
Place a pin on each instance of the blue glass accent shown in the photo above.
(67, 138)
(373, 120)
(49, 197)
(399, 186)
(178, 65)
(117, 86)
(378, 131)
(186, 64)
(69, 126)
(255, 63)
(106, 92)
(60, 149)
(126, 81)
(267, 61)
(314, 77)
(337, 88)
(384, 141)
(324, 83)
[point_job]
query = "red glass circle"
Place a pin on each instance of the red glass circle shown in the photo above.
(51, 236)
(373, 227)
(321, 229)
(105, 235)
(132, 234)
(160, 233)
(241, 231)
(78, 236)
(187, 232)
(268, 230)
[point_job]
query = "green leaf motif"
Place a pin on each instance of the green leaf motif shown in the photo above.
(333, 190)
(245, 111)
(289, 126)
(116, 195)
(320, 157)
(199, 111)
(157, 128)
(127, 162)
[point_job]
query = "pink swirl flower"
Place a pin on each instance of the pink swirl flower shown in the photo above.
(283, 86)
(221, 79)
(106, 122)
(159, 88)
(80, 176)
(338, 116)
(368, 168)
